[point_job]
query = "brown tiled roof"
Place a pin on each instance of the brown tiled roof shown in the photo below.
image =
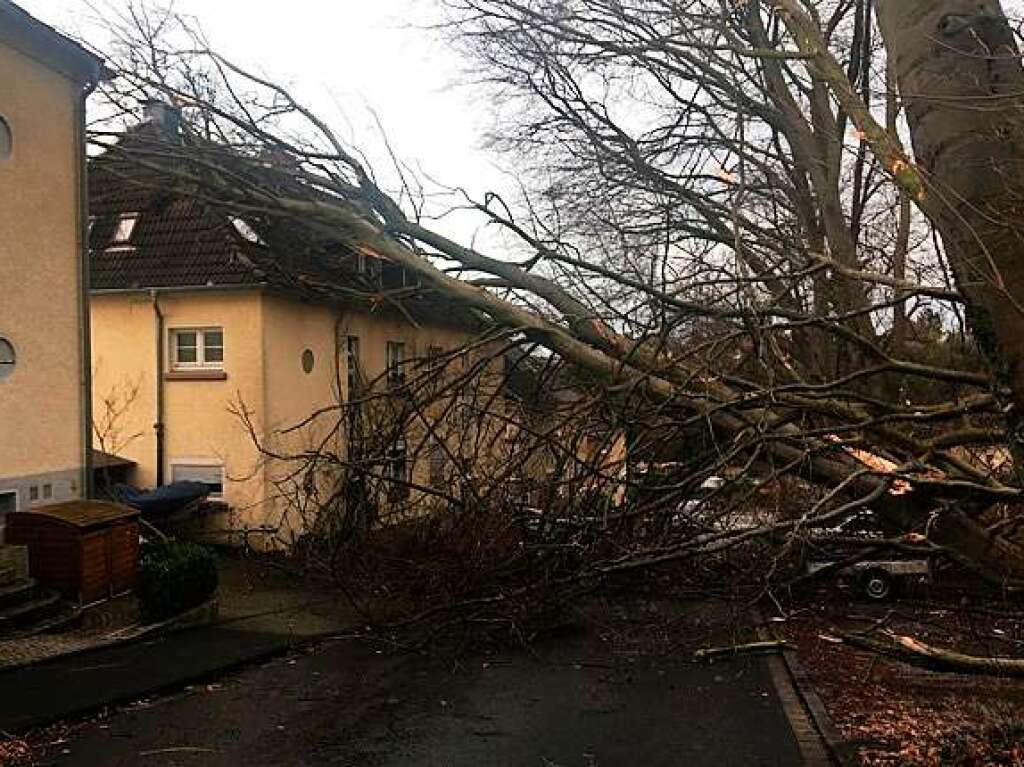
(180, 244)
(182, 241)
(176, 242)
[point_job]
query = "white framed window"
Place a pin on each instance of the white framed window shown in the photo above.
(353, 367)
(8, 505)
(197, 349)
(398, 470)
(396, 363)
(435, 359)
(210, 474)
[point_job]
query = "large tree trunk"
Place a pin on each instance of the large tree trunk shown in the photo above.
(962, 83)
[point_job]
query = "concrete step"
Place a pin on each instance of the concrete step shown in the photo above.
(22, 616)
(18, 592)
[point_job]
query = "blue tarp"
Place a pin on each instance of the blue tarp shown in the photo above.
(161, 501)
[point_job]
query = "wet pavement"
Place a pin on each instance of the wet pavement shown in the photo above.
(587, 699)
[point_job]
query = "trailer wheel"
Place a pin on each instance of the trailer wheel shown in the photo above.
(877, 585)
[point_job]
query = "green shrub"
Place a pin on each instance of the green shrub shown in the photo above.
(175, 576)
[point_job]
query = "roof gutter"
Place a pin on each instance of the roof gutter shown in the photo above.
(174, 289)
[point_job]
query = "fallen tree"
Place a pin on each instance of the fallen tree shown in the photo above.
(757, 291)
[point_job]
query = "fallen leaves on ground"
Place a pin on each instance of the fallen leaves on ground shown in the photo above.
(892, 715)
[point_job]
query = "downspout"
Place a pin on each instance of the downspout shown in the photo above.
(158, 426)
(85, 324)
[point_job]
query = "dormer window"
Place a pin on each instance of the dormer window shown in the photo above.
(367, 265)
(124, 230)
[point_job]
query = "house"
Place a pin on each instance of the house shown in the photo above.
(577, 451)
(205, 344)
(44, 338)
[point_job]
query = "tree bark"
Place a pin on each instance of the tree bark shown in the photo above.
(916, 653)
(962, 84)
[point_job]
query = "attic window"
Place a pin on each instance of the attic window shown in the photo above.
(125, 228)
(246, 231)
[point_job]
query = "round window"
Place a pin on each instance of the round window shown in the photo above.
(308, 360)
(6, 140)
(8, 358)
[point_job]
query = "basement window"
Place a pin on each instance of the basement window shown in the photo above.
(197, 349)
(209, 474)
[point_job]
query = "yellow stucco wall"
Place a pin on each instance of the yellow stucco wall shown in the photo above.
(265, 336)
(199, 425)
(40, 309)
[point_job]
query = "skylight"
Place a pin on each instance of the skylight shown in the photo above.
(125, 228)
(246, 231)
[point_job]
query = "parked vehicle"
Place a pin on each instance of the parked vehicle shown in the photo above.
(879, 576)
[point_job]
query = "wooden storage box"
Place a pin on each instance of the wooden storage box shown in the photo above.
(87, 550)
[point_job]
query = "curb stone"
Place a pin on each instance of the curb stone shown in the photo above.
(838, 748)
(838, 751)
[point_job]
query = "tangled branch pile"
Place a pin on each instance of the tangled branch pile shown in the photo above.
(725, 264)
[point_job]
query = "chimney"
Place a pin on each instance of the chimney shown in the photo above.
(166, 117)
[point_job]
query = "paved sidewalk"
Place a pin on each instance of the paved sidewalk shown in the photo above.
(250, 592)
(105, 624)
(262, 613)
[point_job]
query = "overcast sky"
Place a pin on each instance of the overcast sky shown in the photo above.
(344, 57)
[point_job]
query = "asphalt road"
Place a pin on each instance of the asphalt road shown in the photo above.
(585, 700)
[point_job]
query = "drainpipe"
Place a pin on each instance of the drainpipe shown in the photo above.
(84, 324)
(158, 426)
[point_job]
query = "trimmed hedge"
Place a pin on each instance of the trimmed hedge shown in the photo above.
(174, 576)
